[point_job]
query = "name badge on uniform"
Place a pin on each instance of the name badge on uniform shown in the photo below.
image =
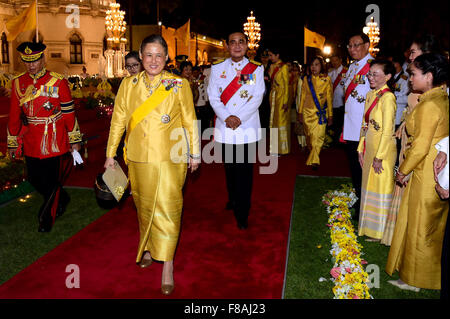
(49, 91)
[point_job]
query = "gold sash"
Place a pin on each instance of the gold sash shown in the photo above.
(142, 111)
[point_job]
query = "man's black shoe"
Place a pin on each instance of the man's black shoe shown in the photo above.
(45, 226)
(62, 205)
(242, 225)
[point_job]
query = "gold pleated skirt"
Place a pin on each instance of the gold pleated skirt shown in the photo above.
(315, 135)
(157, 194)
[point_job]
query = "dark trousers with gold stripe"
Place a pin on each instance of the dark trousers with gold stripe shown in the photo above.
(44, 176)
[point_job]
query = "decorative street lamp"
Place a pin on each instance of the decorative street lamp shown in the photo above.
(373, 32)
(115, 29)
(252, 30)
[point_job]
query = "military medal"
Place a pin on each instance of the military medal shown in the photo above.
(354, 94)
(165, 118)
(361, 99)
(48, 106)
(243, 94)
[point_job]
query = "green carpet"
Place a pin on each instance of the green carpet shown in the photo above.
(307, 263)
(20, 242)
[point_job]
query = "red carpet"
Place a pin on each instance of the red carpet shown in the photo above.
(214, 259)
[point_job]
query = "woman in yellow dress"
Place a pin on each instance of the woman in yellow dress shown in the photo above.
(377, 151)
(422, 44)
(417, 242)
(316, 108)
(280, 116)
(154, 107)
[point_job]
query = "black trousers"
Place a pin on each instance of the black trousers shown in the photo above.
(203, 114)
(338, 123)
(351, 148)
(238, 161)
(44, 176)
(444, 263)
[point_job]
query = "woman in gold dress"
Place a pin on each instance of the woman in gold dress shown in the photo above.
(153, 107)
(377, 151)
(280, 117)
(422, 44)
(316, 109)
(417, 243)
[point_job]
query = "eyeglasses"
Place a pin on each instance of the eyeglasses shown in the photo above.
(131, 66)
(350, 46)
(373, 75)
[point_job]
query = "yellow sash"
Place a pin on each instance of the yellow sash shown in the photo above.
(142, 111)
(29, 96)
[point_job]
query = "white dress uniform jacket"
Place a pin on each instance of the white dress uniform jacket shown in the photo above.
(401, 90)
(244, 103)
(442, 146)
(338, 94)
(354, 106)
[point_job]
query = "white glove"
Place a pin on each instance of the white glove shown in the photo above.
(76, 158)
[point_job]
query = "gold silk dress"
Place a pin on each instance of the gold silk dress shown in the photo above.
(279, 118)
(416, 246)
(398, 189)
(156, 154)
(378, 142)
(314, 131)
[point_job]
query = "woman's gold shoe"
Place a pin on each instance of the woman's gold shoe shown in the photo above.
(167, 289)
(145, 262)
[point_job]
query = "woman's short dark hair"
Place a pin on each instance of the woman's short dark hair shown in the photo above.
(321, 61)
(185, 64)
(436, 64)
(155, 38)
(134, 55)
(388, 68)
(428, 43)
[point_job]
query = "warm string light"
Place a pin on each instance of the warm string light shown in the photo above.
(252, 30)
(373, 32)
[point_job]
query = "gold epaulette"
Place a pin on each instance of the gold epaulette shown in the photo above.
(404, 77)
(218, 61)
(57, 75)
(369, 60)
(255, 62)
(18, 76)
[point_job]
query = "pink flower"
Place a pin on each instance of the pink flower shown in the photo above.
(335, 272)
(364, 262)
(329, 225)
(355, 297)
(348, 270)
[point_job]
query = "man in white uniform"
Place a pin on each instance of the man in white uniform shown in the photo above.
(337, 74)
(356, 86)
(235, 91)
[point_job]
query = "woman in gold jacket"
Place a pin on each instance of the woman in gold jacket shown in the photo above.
(377, 151)
(280, 116)
(417, 242)
(156, 110)
(314, 120)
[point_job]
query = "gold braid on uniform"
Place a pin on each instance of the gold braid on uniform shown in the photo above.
(75, 136)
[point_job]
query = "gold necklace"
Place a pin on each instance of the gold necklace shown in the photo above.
(149, 87)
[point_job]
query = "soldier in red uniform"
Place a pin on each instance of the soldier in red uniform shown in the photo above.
(42, 125)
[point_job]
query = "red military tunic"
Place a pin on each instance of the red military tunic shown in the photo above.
(47, 103)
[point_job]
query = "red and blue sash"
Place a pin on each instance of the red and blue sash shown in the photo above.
(235, 85)
(354, 82)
